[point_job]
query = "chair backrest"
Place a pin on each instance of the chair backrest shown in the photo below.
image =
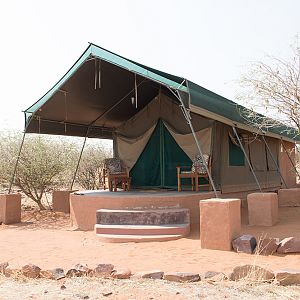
(198, 164)
(113, 165)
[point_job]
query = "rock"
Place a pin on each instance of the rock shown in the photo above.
(181, 277)
(79, 270)
(103, 270)
(31, 271)
(82, 268)
(121, 274)
(251, 273)
(47, 274)
(214, 276)
(74, 273)
(63, 287)
(244, 244)
(155, 274)
(289, 245)
(267, 246)
(55, 274)
(3, 267)
(11, 271)
(58, 273)
(287, 277)
(107, 294)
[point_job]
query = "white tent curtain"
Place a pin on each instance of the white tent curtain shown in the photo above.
(129, 149)
(187, 142)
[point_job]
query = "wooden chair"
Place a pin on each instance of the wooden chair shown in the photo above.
(116, 174)
(195, 172)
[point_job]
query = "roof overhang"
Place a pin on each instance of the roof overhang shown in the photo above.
(95, 96)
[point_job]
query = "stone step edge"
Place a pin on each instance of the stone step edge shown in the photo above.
(127, 226)
(164, 210)
(114, 238)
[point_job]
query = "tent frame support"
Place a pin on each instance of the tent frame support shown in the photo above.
(274, 160)
(290, 159)
(247, 158)
(79, 159)
(188, 118)
(17, 162)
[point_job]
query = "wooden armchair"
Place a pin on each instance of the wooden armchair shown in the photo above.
(116, 174)
(195, 172)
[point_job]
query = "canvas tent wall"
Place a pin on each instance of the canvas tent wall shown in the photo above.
(234, 174)
(159, 139)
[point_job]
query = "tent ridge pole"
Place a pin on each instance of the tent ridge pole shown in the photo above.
(247, 158)
(188, 119)
(274, 161)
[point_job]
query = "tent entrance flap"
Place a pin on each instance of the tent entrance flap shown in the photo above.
(156, 166)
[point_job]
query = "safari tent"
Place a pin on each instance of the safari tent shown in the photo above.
(158, 121)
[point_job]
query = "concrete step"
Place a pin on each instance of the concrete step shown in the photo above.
(170, 229)
(143, 217)
(125, 238)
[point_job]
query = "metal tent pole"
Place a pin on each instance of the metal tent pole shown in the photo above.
(248, 161)
(17, 162)
(79, 159)
(188, 119)
(287, 153)
(274, 161)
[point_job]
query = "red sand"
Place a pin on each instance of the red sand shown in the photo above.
(48, 241)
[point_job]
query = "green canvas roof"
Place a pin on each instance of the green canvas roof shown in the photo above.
(76, 106)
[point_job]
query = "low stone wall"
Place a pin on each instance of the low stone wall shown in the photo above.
(289, 197)
(248, 273)
(262, 209)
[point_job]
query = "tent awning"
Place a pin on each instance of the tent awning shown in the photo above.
(98, 94)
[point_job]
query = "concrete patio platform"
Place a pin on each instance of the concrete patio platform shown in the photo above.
(84, 204)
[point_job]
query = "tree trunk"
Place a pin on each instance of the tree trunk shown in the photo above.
(41, 206)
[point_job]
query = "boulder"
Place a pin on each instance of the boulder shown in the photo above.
(181, 277)
(251, 273)
(244, 244)
(287, 277)
(267, 246)
(121, 274)
(31, 271)
(3, 267)
(103, 270)
(155, 274)
(289, 245)
(55, 274)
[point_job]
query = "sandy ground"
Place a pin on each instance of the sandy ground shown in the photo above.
(84, 288)
(46, 239)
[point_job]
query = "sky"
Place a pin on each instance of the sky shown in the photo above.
(206, 41)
